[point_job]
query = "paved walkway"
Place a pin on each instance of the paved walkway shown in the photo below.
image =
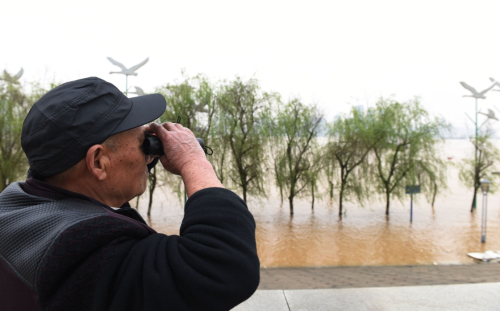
(456, 297)
(377, 276)
(421, 288)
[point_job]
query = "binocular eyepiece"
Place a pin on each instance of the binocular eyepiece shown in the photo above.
(152, 145)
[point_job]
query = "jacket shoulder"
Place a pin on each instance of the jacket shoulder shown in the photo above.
(30, 224)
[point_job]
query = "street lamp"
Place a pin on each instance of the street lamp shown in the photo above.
(127, 71)
(485, 185)
(476, 95)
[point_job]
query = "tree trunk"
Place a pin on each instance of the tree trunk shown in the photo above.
(387, 197)
(150, 202)
(312, 202)
(474, 198)
(291, 195)
(331, 192)
(281, 197)
(341, 197)
(434, 196)
(152, 186)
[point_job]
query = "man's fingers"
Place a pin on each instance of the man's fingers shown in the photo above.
(182, 128)
(169, 126)
(158, 130)
(175, 127)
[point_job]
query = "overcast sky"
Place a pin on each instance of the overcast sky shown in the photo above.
(332, 53)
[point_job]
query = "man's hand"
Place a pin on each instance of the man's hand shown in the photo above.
(184, 156)
(179, 145)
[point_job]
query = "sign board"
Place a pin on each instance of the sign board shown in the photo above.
(412, 189)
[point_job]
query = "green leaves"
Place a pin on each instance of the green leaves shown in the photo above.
(257, 138)
(405, 154)
(255, 134)
(350, 140)
(293, 146)
(475, 168)
(228, 116)
(15, 103)
(383, 149)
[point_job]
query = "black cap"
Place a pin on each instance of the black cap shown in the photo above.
(69, 119)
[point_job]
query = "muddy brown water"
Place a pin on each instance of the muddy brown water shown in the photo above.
(364, 236)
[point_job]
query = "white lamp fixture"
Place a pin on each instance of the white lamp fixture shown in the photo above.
(485, 185)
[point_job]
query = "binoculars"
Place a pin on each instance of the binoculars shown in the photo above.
(152, 145)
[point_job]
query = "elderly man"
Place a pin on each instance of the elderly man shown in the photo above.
(70, 241)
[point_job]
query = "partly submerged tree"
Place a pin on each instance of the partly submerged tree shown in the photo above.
(221, 157)
(152, 181)
(295, 130)
(472, 171)
(192, 103)
(313, 175)
(350, 140)
(410, 136)
(241, 105)
(218, 137)
(430, 172)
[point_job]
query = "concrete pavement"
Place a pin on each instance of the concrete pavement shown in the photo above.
(435, 287)
(466, 297)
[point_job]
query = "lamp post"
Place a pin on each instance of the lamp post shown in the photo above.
(127, 71)
(476, 95)
(485, 185)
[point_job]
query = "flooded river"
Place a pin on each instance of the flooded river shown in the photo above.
(364, 236)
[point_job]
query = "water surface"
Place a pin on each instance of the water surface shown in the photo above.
(364, 235)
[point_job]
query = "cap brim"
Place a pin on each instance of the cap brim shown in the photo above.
(145, 109)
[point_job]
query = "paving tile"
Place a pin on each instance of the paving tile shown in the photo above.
(386, 276)
(264, 300)
(439, 297)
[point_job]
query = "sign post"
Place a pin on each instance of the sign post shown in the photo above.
(411, 190)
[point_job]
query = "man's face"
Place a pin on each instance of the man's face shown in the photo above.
(128, 172)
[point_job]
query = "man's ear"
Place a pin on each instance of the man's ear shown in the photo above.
(97, 162)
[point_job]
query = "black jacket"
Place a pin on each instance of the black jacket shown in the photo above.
(69, 252)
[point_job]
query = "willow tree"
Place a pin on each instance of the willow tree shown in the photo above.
(15, 103)
(313, 175)
(241, 107)
(350, 139)
(430, 172)
(219, 130)
(193, 101)
(410, 136)
(295, 130)
(472, 171)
